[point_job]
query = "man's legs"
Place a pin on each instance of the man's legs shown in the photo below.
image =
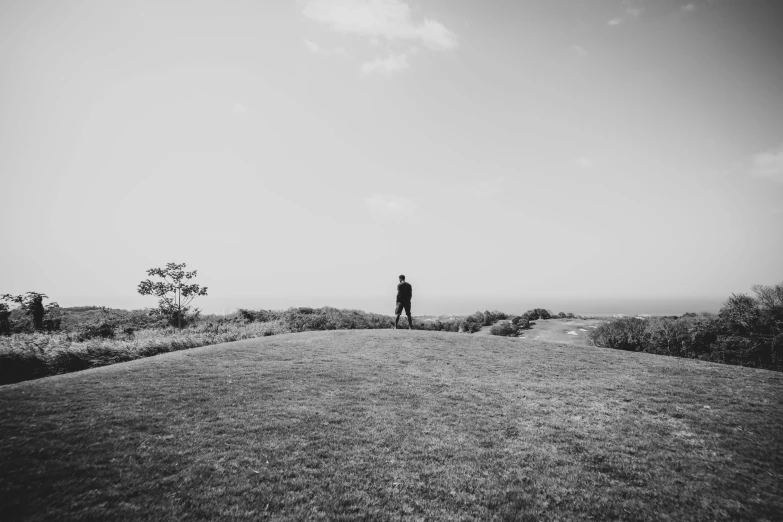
(397, 321)
(410, 321)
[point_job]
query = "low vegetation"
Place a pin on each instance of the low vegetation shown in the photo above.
(89, 337)
(30, 356)
(374, 425)
(505, 328)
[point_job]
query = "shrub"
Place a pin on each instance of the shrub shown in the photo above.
(754, 350)
(29, 356)
(261, 316)
(667, 336)
(22, 364)
(740, 314)
(504, 328)
(624, 333)
(103, 330)
(469, 326)
(488, 319)
(478, 317)
(497, 315)
(703, 331)
(327, 318)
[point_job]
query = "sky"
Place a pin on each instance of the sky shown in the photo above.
(499, 153)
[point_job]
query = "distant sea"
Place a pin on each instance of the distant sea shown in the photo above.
(425, 305)
(589, 307)
(604, 307)
(462, 305)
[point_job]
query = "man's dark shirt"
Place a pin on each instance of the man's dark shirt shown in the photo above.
(404, 293)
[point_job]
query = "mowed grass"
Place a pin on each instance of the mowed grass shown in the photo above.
(395, 425)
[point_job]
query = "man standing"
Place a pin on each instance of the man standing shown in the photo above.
(404, 295)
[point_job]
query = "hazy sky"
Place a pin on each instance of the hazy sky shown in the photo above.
(306, 153)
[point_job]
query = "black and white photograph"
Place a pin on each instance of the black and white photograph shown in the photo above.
(391, 260)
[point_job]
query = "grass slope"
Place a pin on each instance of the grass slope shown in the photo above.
(382, 425)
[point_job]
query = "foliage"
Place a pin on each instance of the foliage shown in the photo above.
(505, 328)
(105, 329)
(439, 325)
(521, 321)
(40, 317)
(171, 292)
(5, 323)
(740, 314)
(747, 331)
(261, 316)
(97, 336)
(542, 313)
(30, 356)
(466, 326)
(626, 333)
(770, 299)
(327, 318)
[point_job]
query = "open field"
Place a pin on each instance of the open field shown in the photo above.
(557, 331)
(395, 425)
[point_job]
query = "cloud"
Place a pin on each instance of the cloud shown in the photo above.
(631, 9)
(393, 208)
(394, 63)
(768, 165)
(317, 49)
(238, 109)
(389, 19)
(689, 8)
(579, 50)
(313, 47)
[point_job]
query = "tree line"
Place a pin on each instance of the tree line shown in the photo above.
(747, 331)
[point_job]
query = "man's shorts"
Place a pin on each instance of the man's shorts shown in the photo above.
(400, 306)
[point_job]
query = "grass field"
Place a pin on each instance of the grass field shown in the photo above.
(556, 330)
(395, 425)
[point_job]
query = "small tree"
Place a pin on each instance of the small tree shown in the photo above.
(175, 291)
(5, 324)
(31, 304)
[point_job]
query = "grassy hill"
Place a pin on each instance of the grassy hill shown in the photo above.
(403, 425)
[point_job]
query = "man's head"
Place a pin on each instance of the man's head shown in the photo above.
(402, 278)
